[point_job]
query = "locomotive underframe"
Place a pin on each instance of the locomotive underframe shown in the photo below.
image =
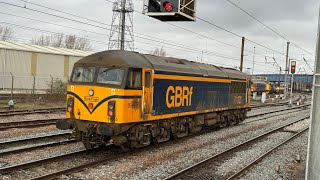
(137, 135)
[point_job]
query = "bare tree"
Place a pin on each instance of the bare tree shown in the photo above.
(159, 52)
(63, 41)
(82, 44)
(6, 33)
(56, 40)
(42, 40)
(70, 41)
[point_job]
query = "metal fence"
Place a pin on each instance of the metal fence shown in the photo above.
(15, 84)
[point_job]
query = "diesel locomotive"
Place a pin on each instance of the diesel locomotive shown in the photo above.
(133, 99)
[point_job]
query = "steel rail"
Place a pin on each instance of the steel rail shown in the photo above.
(266, 118)
(3, 153)
(35, 138)
(79, 168)
(35, 111)
(10, 169)
(279, 110)
(24, 124)
(249, 165)
(276, 104)
(232, 148)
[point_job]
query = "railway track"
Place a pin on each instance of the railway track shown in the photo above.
(14, 168)
(278, 110)
(255, 161)
(27, 124)
(34, 147)
(302, 97)
(265, 118)
(197, 171)
(38, 123)
(25, 140)
(107, 159)
(34, 111)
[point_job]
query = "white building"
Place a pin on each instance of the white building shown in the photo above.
(28, 63)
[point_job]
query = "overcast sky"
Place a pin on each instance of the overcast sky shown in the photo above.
(296, 20)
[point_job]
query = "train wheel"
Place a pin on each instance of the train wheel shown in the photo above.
(224, 122)
(140, 136)
(180, 127)
(164, 135)
(232, 120)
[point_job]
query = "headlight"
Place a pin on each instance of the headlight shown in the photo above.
(91, 92)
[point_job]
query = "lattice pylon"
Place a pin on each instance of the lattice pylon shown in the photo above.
(121, 33)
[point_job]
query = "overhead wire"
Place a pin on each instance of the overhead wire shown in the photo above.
(106, 24)
(271, 29)
(100, 42)
(85, 22)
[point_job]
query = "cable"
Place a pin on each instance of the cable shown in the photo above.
(93, 32)
(100, 42)
(308, 65)
(70, 14)
(166, 42)
(267, 26)
(104, 23)
(187, 30)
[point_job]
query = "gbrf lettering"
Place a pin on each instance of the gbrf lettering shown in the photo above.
(179, 96)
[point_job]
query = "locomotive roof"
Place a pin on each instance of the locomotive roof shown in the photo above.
(116, 58)
(166, 65)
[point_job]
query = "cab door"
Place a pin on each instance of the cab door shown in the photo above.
(147, 91)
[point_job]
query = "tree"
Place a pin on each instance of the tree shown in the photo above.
(56, 40)
(41, 41)
(62, 41)
(6, 33)
(159, 52)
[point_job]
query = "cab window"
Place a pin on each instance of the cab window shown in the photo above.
(110, 76)
(134, 79)
(83, 74)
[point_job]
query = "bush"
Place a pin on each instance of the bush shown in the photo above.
(58, 86)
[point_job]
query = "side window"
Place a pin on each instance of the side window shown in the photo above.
(147, 78)
(134, 79)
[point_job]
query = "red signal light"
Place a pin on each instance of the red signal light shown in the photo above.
(168, 6)
(293, 69)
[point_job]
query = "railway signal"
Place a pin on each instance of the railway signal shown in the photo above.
(293, 67)
(170, 10)
(293, 70)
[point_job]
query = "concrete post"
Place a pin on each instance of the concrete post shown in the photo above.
(313, 160)
(291, 89)
(254, 95)
(286, 72)
(263, 97)
(51, 88)
(34, 85)
(12, 85)
(242, 55)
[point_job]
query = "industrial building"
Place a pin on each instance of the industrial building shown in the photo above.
(32, 67)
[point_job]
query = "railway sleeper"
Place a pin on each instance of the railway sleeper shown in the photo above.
(138, 135)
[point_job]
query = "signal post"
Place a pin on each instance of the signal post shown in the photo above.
(293, 70)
